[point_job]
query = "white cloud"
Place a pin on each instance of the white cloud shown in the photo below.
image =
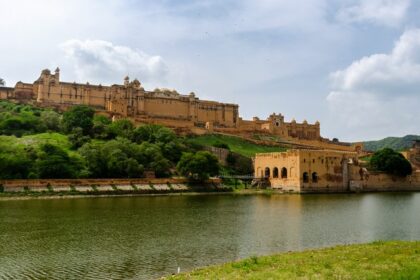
(97, 60)
(380, 94)
(381, 12)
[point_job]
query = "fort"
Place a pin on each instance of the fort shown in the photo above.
(160, 106)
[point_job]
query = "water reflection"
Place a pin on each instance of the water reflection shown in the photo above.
(147, 237)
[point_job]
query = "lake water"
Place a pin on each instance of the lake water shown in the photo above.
(149, 237)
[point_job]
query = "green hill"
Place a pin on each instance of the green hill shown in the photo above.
(236, 144)
(396, 143)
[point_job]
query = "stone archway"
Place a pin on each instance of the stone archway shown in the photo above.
(284, 173)
(314, 177)
(275, 172)
(305, 177)
(267, 172)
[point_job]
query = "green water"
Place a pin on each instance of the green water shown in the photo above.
(148, 237)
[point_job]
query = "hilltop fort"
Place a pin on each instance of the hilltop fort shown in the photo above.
(165, 107)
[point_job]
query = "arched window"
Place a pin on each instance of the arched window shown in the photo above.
(275, 172)
(284, 173)
(267, 172)
(314, 177)
(305, 177)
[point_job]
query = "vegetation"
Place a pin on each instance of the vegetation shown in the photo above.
(235, 144)
(42, 143)
(2, 82)
(199, 166)
(391, 162)
(396, 143)
(378, 260)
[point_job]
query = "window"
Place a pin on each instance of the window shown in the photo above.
(275, 172)
(305, 177)
(284, 173)
(267, 172)
(314, 177)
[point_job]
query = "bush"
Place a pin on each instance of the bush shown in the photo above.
(78, 116)
(391, 162)
(199, 166)
(121, 128)
(221, 145)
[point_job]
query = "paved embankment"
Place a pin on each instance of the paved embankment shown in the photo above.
(78, 187)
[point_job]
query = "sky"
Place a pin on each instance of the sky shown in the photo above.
(353, 65)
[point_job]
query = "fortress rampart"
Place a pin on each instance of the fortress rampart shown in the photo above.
(160, 106)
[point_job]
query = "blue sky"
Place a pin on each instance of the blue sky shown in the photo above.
(353, 65)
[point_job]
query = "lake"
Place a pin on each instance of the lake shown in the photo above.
(149, 237)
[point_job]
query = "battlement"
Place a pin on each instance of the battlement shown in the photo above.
(131, 100)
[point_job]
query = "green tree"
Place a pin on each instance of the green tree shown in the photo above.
(51, 120)
(54, 162)
(151, 157)
(14, 164)
(2, 82)
(95, 160)
(78, 116)
(121, 128)
(199, 166)
(100, 127)
(77, 139)
(391, 162)
(153, 134)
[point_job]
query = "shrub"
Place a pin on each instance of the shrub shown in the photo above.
(78, 116)
(199, 166)
(221, 145)
(391, 162)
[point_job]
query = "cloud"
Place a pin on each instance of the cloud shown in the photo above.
(380, 94)
(102, 61)
(380, 12)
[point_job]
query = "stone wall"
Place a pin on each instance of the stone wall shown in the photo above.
(162, 106)
(10, 185)
(379, 181)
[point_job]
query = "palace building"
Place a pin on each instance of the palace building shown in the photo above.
(160, 106)
(303, 170)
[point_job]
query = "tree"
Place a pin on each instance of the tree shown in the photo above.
(51, 120)
(100, 127)
(54, 162)
(199, 166)
(14, 165)
(78, 116)
(2, 82)
(391, 162)
(153, 134)
(121, 128)
(77, 139)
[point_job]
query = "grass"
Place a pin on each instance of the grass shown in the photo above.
(36, 140)
(236, 144)
(377, 260)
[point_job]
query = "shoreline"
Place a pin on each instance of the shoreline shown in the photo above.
(5, 196)
(374, 260)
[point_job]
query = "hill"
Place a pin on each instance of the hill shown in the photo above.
(236, 144)
(396, 143)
